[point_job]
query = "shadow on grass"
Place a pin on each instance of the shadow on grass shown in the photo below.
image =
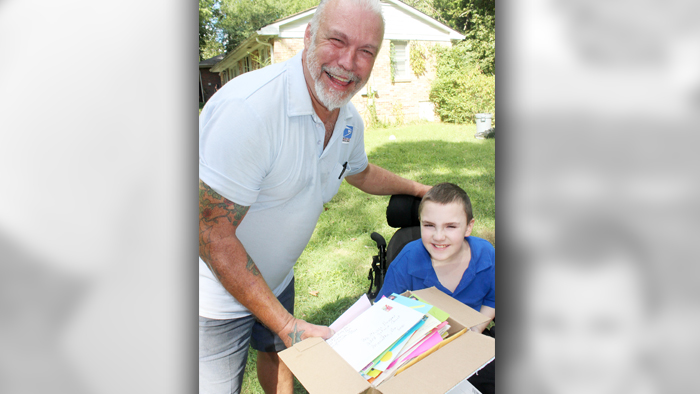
(471, 165)
(329, 312)
(437, 161)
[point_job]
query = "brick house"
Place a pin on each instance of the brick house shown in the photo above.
(402, 95)
(209, 82)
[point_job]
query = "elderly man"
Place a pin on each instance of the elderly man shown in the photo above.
(274, 146)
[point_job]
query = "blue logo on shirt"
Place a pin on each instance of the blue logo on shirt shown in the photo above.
(347, 134)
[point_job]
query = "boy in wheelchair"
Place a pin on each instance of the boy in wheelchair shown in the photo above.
(448, 257)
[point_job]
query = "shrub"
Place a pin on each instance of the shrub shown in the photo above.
(461, 89)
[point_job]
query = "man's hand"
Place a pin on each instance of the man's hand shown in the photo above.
(422, 189)
(296, 330)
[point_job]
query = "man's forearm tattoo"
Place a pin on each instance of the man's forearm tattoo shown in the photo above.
(295, 335)
(212, 209)
(251, 267)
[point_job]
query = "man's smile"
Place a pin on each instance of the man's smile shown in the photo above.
(338, 80)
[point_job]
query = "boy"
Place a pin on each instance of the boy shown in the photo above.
(449, 258)
(446, 256)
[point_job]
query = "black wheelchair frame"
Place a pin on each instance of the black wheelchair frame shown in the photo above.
(401, 213)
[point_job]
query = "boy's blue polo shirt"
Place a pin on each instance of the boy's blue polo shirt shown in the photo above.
(413, 270)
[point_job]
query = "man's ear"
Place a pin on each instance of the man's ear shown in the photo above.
(307, 36)
(470, 227)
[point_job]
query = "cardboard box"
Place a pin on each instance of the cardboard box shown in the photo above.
(321, 370)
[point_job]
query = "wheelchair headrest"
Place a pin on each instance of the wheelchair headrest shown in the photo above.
(402, 211)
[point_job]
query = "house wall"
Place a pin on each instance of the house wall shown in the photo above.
(286, 48)
(406, 97)
(211, 83)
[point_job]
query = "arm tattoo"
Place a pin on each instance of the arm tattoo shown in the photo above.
(214, 210)
(251, 267)
(295, 335)
(212, 207)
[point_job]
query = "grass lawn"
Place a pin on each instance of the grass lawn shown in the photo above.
(337, 259)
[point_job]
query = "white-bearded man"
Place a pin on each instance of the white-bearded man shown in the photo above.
(274, 146)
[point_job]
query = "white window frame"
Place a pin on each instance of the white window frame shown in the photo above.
(401, 61)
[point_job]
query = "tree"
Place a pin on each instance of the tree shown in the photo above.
(208, 18)
(425, 6)
(239, 19)
(477, 20)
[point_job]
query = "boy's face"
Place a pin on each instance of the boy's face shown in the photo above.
(443, 228)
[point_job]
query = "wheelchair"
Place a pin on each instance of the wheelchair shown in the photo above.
(401, 213)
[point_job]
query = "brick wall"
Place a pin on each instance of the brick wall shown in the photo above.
(286, 48)
(401, 98)
(211, 83)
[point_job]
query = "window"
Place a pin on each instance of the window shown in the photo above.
(400, 60)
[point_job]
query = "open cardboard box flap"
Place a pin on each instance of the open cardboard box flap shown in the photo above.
(458, 312)
(442, 370)
(321, 370)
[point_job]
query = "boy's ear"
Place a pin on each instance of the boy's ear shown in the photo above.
(470, 227)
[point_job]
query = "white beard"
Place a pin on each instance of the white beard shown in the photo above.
(331, 99)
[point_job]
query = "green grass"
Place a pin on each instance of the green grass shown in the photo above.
(337, 259)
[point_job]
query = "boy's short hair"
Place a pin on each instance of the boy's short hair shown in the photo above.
(445, 193)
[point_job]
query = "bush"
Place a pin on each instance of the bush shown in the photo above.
(461, 89)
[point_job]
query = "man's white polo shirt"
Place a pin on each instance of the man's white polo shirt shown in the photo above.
(261, 145)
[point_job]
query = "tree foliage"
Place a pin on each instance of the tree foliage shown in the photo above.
(460, 89)
(477, 20)
(426, 7)
(208, 41)
(460, 14)
(239, 19)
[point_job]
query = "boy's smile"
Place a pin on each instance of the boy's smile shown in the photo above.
(443, 228)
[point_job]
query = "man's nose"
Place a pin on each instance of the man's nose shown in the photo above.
(347, 59)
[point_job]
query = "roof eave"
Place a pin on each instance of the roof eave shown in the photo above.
(453, 34)
(238, 52)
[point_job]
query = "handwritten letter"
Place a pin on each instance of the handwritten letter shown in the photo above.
(363, 339)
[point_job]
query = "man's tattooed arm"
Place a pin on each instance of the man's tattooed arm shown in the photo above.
(251, 267)
(228, 260)
(218, 217)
